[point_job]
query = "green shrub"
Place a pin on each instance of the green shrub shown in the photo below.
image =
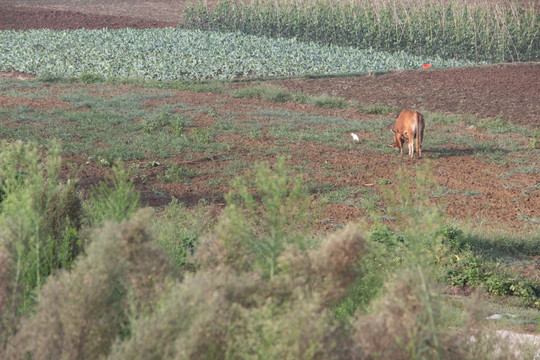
(452, 236)
(39, 217)
(222, 313)
(465, 269)
(266, 210)
(384, 235)
(409, 322)
(179, 229)
(161, 121)
(114, 199)
(461, 266)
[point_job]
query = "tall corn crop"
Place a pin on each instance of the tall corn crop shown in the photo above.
(450, 29)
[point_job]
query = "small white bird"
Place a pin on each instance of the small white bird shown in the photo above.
(355, 137)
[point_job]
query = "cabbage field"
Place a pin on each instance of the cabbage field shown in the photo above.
(175, 54)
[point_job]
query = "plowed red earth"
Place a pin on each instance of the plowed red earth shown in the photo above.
(511, 91)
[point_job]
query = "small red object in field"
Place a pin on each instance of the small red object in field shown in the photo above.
(425, 66)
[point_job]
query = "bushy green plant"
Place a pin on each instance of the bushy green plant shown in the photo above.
(460, 265)
(266, 210)
(223, 313)
(178, 173)
(465, 268)
(39, 217)
(452, 236)
(114, 199)
(409, 322)
(384, 235)
(179, 229)
(162, 120)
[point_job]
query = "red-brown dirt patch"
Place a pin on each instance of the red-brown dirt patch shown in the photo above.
(510, 90)
(26, 18)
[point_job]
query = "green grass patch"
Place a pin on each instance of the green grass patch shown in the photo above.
(178, 173)
(105, 124)
(379, 109)
(329, 102)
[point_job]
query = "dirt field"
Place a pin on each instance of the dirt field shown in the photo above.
(511, 91)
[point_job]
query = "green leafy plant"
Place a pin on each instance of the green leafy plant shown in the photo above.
(178, 173)
(39, 220)
(266, 211)
(161, 120)
(114, 199)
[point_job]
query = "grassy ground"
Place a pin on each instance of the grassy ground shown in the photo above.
(190, 145)
(205, 139)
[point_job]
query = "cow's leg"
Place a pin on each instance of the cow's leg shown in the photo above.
(399, 142)
(419, 145)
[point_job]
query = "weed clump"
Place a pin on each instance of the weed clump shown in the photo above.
(114, 199)
(409, 322)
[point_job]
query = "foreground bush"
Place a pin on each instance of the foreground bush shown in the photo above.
(223, 312)
(39, 222)
(81, 313)
(258, 285)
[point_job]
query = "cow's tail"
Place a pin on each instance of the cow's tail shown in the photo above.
(419, 130)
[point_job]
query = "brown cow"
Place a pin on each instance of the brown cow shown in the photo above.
(409, 126)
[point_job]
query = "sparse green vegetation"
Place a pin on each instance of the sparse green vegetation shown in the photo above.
(178, 173)
(379, 109)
